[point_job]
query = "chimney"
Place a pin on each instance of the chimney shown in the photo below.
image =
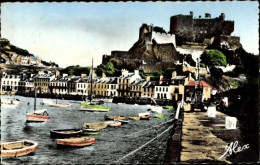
(124, 72)
(174, 74)
(83, 75)
(103, 75)
(148, 78)
(191, 13)
(161, 77)
(136, 72)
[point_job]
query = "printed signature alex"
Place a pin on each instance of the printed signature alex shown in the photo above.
(234, 148)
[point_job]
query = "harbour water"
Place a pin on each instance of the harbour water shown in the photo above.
(111, 145)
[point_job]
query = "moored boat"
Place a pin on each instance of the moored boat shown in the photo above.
(114, 117)
(90, 131)
(95, 125)
(156, 109)
(134, 117)
(38, 116)
(59, 105)
(160, 116)
(65, 133)
(47, 101)
(143, 114)
(145, 117)
(76, 142)
(115, 124)
(9, 102)
(123, 121)
(18, 148)
(93, 107)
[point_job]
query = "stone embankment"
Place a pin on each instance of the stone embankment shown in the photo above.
(197, 138)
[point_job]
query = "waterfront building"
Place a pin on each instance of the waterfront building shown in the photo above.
(26, 84)
(82, 86)
(162, 89)
(200, 86)
(112, 87)
(10, 82)
(59, 85)
(136, 88)
(148, 88)
(42, 81)
(124, 81)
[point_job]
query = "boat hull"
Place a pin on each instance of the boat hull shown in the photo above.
(91, 131)
(59, 105)
(146, 117)
(20, 148)
(93, 108)
(114, 117)
(36, 118)
(76, 142)
(65, 133)
(98, 125)
(115, 124)
(135, 118)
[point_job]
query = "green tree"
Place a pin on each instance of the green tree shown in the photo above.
(213, 58)
(107, 68)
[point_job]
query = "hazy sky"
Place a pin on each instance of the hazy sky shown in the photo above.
(73, 33)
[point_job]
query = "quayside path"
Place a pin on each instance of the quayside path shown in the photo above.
(204, 139)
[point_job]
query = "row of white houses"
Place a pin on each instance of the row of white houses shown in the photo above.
(129, 84)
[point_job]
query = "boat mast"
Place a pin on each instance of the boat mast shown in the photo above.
(91, 81)
(35, 92)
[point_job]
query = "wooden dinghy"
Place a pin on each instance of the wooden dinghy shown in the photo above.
(65, 133)
(38, 116)
(134, 117)
(114, 117)
(145, 117)
(115, 124)
(90, 131)
(18, 148)
(124, 121)
(59, 105)
(76, 142)
(96, 125)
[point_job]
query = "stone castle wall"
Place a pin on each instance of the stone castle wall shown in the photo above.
(187, 28)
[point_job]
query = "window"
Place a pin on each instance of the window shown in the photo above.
(163, 89)
(166, 89)
(165, 95)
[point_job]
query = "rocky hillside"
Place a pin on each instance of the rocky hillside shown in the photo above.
(8, 50)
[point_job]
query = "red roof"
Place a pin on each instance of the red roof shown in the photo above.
(201, 83)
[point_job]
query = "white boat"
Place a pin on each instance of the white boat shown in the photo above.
(47, 101)
(59, 105)
(9, 102)
(18, 148)
(143, 114)
(156, 109)
(38, 116)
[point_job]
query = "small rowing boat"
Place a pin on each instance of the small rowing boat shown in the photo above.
(114, 117)
(134, 117)
(38, 116)
(96, 125)
(124, 121)
(145, 117)
(90, 131)
(115, 124)
(18, 148)
(59, 105)
(65, 133)
(76, 142)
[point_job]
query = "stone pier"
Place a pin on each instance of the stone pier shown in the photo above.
(204, 139)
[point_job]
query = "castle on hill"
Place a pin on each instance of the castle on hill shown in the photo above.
(157, 49)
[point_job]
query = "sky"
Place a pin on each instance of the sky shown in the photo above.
(74, 33)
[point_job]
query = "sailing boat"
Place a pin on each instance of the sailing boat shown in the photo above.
(92, 107)
(58, 104)
(37, 115)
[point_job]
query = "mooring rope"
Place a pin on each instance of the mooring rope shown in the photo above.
(148, 128)
(144, 145)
